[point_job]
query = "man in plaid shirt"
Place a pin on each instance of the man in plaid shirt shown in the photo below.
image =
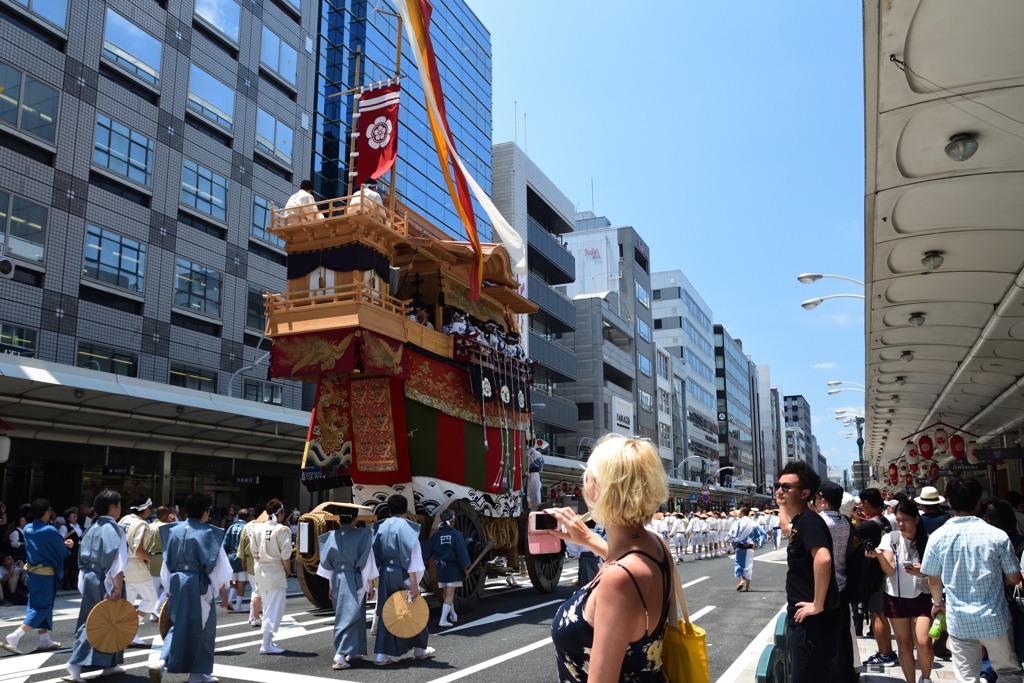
(972, 561)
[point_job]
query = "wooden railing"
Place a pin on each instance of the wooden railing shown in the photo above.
(283, 221)
(354, 292)
(468, 350)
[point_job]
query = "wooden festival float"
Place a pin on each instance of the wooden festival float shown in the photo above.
(401, 408)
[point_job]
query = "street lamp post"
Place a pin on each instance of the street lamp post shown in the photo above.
(833, 392)
(813, 303)
(811, 278)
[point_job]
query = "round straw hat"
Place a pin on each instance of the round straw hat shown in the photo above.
(405, 619)
(165, 621)
(111, 626)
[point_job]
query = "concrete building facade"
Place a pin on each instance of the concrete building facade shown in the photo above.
(736, 408)
(542, 215)
(683, 328)
(799, 439)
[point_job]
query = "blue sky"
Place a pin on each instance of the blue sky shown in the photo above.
(731, 136)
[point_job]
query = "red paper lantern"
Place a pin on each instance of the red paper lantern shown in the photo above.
(565, 487)
(893, 471)
(933, 471)
(925, 446)
(554, 494)
(576, 494)
(913, 467)
(885, 494)
(957, 446)
(909, 479)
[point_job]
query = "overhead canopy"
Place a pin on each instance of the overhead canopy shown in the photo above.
(56, 402)
(962, 363)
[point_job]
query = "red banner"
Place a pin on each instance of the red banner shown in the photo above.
(377, 143)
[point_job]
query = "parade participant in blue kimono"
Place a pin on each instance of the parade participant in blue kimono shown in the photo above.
(195, 570)
(396, 547)
(744, 537)
(239, 577)
(102, 559)
(493, 335)
(460, 324)
(347, 561)
(451, 563)
(46, 551)
(513, 348)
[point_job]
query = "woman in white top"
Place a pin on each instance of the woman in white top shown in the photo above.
(908, 602)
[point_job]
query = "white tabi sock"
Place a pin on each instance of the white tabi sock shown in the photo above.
(445, 608)
(44, 639)
(238, 604)
(15, 637)
(268, 639)
(232, 596)
(75, 670)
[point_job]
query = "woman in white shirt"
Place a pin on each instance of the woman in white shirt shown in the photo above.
(908, 602)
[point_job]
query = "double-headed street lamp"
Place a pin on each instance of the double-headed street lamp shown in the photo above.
(811, 278)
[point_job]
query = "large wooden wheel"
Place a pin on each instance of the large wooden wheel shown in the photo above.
(467, 521)
(316, 588)
(544, 570)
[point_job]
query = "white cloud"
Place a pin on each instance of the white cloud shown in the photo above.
(815, 420)
(825, 366)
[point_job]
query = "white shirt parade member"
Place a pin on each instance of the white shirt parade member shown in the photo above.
(138, 582)
(272, 548)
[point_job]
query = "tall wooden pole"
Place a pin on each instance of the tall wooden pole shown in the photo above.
(398, 76)
(354, 133)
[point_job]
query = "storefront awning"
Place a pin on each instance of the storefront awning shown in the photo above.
(49, 401)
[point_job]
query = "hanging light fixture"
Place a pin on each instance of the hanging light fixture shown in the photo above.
(957, 447)
(941, 438)
(932, 260)
(972, 452)
(906, 356)
(961, 147)
(900, 381)
(925, 446)
(916, 319)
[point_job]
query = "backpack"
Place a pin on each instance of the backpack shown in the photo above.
(864, 576)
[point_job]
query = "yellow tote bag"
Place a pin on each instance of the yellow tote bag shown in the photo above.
(684, 651)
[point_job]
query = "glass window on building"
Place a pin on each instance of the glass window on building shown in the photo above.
(113, 259)
(646, 401)
(700, 394)
(643, 329)
(261, 221)
(52, 11)
(255, 316)
(131, 48)
(644, 363)
(664, 401)
(210, 98)
(18, 341)
(273, 137)
(278, 56)
(664, 435)
(223, 15)
(204, 190)
(197, 288)
(28, 104)
(22, 227)
(107, 359)
(664, 363)
(262, 392)
(192, 377)
(123, 151)
(641, 295)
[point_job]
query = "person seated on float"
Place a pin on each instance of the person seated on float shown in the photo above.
(419, 314)
(460, 324)
(513, 348)
(492, 335)
(368, 193)
(301, 206)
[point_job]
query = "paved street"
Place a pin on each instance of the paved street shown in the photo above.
(505, 639)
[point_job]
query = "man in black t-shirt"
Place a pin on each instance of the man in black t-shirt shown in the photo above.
(812, 594)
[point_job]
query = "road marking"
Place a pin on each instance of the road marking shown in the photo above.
(491, 662)
(695, 581)
(701, 612)
(749, 657)
(19, 669)
(242, 673)
(500, 616)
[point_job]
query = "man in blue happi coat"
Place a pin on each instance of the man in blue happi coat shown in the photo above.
(451, 563)
(347, 561)
(102, 558)
(396, 547)
(46, 551)
(238, 576)
(195, 570)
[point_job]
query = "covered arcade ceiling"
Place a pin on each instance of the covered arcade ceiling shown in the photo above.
(964, 362)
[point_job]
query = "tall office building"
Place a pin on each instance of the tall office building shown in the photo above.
(614, 340)
(736, 408)
(141, 147)
(772, 426)
(683, 328)
(463, 48)
(800, 442)
(757, 434)
(542, 215)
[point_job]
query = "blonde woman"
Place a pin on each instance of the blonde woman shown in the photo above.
(612, 629)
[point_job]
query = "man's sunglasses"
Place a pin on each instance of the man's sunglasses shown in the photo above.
(786, 488)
